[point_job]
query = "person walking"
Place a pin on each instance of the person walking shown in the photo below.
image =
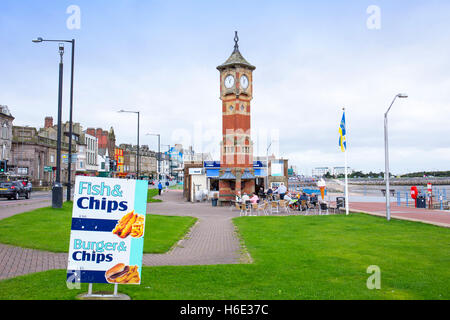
(160, 186)
(167, 185)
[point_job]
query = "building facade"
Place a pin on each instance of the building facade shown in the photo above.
(87, 155)
(6, 125)
(34, 157)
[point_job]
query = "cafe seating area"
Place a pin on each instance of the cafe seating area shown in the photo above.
(275, 206)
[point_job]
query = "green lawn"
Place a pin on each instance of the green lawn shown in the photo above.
(295, 257)
(150, 194)
(49, 229)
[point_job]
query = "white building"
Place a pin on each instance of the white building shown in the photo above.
(321, 171)
(341, 170)
(103, 162)
(87, 160)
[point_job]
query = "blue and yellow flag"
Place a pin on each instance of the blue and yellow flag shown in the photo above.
(342, 134)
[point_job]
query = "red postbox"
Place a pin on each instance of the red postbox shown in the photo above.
(414, 194)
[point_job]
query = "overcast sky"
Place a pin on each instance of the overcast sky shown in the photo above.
(312, 59)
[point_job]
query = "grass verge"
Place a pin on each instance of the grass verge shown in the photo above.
(150, 194)
(295, 257)
(48, 229)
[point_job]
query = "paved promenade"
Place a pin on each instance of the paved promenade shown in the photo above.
(212, 240)
(435, 217)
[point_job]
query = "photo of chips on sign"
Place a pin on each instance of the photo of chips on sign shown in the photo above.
(131, 224)
(107, 234)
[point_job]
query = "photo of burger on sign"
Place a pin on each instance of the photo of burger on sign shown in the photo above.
(107, 235)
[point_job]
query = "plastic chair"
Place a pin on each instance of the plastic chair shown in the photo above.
(285, 206)
(255, 209)
(266, 208)
(304, 206)
(244, 210)
(274, 207)
(323, 207)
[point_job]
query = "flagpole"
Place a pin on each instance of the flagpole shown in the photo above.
(345, 170)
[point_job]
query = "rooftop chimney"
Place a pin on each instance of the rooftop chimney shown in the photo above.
(48, 122)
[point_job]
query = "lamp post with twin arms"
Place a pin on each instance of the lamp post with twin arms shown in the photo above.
(386, 155)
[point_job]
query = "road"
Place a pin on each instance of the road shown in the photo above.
(37, 200)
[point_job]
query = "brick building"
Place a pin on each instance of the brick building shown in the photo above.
(106, 140)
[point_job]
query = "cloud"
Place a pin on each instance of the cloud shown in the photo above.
(311, 61)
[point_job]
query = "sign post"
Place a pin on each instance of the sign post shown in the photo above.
(107, 235)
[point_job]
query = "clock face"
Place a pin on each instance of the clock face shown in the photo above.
(229, 81)
(244, 82)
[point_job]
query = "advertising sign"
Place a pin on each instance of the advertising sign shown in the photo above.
(107, 236)
(277, 168)
(195, 171)
(65, 158)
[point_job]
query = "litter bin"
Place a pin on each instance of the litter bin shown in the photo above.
(340, 202)
(214, 202)
(421, 202)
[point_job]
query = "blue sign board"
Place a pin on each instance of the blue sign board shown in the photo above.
(216, 164)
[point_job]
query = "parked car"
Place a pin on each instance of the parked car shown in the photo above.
(13, 190)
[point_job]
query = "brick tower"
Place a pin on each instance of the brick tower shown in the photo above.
(236, 93)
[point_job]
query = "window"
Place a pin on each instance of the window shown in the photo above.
(5, 131)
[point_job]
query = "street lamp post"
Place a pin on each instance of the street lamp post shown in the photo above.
(137, 160)
(159, 151)
(57, 189)
(267, 170)
(69, 167)
(386, 156)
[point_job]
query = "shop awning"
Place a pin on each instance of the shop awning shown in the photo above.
(260, 172)
(247, 175)
(213, 173)
(228, 175)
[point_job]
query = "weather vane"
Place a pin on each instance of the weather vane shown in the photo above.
(236, 40)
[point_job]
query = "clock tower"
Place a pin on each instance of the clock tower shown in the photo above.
(236, 93)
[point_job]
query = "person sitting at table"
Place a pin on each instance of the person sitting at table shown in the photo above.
(254, 198)
(314, 200)
(302, 197)
(245, 198)
(261, 193)
(269, 194)
(288, 199)
(238, 197)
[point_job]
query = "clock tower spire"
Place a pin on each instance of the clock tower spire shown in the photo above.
(236, 93)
